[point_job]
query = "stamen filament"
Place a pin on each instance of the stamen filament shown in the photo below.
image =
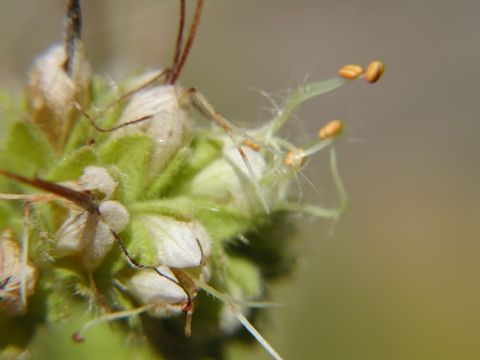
(228, 301)
(298, 96)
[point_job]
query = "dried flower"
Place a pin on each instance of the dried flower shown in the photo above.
(12, 274)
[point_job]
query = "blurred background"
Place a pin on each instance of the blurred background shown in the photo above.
(397, 276)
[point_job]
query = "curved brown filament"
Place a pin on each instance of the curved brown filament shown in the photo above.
(188, 45)
(164, 73)
(98, 128)
(179, 41)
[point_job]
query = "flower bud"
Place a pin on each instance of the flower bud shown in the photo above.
(89, 234)
(170, 125)
(97, 178)
(150, 288)
(179, 244)
(114, 214)
(228, 179)
(52, 92)
(11, 277)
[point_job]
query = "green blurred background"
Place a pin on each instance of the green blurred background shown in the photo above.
(397, 276)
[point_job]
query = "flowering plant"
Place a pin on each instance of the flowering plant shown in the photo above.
(136, 202)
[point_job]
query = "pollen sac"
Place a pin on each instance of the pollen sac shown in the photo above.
(294, 159)
(150, 288)
(332, 128)
(251, 144)
(179, 244)
(374, 71)
(350, 72)
(11, 277)
(170, 125)
(52, 92)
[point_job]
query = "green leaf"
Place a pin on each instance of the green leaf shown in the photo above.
(222, 224)
(204, 152)
(6, 213)
(179, 208)
(244, 275)
(27, 151)
(78, 136)
(131, 155)
(165, 178)
(141, 246)
(72, 166)
(83, 132)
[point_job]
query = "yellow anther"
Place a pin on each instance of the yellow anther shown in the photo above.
(294, 159)
(332, 128)
(251, 144)
(374, 71)
(350, 72)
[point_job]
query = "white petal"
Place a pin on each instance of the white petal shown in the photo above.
(114, 214)
(98, 247)
(151, 288)
(97, 178)
(114, 217)
(70, 238)
(89, 234)
(179, 244)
